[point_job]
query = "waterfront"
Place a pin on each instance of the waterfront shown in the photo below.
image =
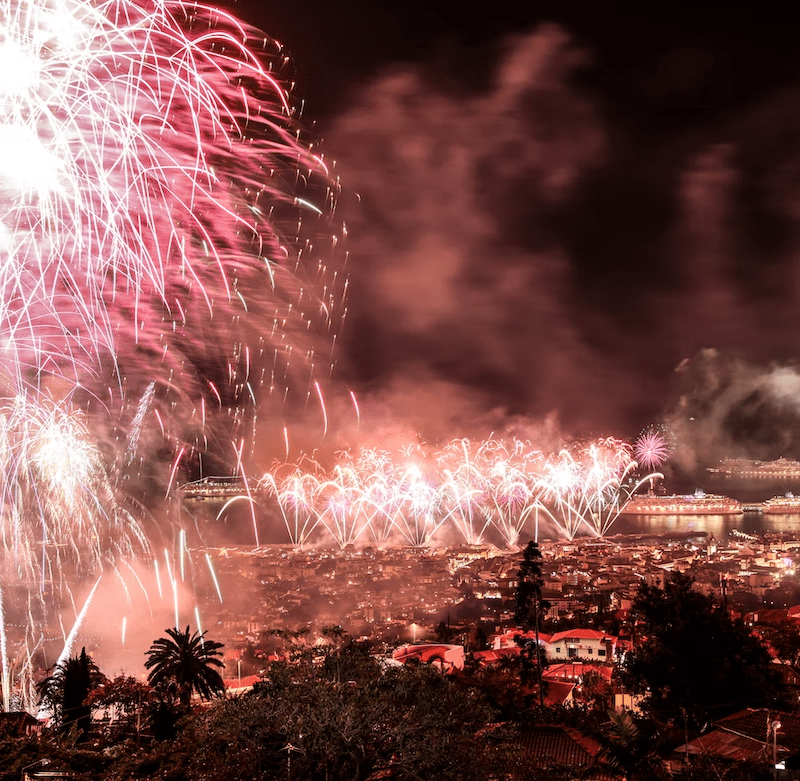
(749, 492)
(719, 526)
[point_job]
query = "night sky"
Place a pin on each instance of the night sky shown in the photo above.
(584, 214)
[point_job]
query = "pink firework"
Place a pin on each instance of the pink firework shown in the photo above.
(158, 278)
(651, 449)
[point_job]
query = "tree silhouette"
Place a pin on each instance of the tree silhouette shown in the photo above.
(123, 701)
(693, 662)
(785, 640)
(629, 747)
(182, 664)
(530, 606)
(66, 691)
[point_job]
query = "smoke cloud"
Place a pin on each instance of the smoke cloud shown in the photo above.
(513, 244)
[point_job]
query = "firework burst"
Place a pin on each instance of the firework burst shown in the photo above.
(465, 491)
(157, 273)
(653, 447)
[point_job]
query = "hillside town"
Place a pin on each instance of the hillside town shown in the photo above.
(556, 677)
(405, 593)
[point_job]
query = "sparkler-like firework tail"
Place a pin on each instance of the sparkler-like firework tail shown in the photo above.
(58, 507)
(69, 641)
(294, 488)
(464, 487)
(153, 195)
(163, 204)
(5, 671)
(464, 491)
(59, 515)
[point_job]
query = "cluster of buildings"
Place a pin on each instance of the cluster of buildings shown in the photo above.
(407, 594)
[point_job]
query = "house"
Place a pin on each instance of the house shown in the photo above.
(575, 671)
(589, 644)
(556, 745)
(235, 686)
(20, 724)
(754, 735)
(559, 692)
(495, 658)
(509, 639)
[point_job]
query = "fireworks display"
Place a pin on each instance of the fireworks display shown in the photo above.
(653, 446)
(460, 491)
(168, 262)
(156, 271)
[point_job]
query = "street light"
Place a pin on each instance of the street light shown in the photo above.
(289, 748)
(43, 762)
(776, 725)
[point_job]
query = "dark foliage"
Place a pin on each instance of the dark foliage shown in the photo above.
(693, 662)
(530, 608)
(66, 691)
(407, 724)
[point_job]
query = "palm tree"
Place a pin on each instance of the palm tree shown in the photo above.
(66, 690)
(182, 664)
(629, 746)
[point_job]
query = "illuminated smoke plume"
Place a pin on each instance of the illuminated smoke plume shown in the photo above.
(538, 230)
(728, 407)
(460, 274)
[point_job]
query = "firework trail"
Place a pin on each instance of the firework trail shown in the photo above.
(60, 518)
(157, 273)
(159, 229)
(5, 672)
(465, 488)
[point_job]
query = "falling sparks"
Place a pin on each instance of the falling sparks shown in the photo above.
(149, 159)
(467, 487)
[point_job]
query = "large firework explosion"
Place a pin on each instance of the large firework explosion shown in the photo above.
(155, 275)
(464, 491)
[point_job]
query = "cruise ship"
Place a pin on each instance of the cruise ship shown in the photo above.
(698, 503)
(782, 505)
(780, 469)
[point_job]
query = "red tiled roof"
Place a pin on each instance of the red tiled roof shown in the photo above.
(774, 616)
(19, 723)
(753, 723)
(583, 634)
(557, 692)
(494, 656)
(424, 652)
(244, 682)
(725, 745)
(563, 670)
(510, 635)
(558, 745)
(745, 736)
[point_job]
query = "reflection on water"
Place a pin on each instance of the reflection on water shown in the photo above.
(720, 526)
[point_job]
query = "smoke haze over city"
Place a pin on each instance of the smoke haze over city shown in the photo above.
(558, 213)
